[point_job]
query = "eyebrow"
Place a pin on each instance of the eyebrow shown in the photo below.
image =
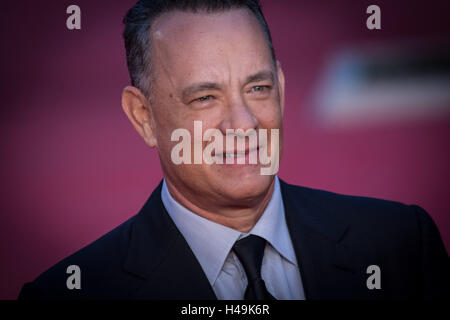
(260, 76)
(202, 86)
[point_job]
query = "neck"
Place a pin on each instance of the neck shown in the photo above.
(240, 218)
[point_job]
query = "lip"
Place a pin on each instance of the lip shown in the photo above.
(238, 155)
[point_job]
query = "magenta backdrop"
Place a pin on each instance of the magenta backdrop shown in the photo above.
(73, 167)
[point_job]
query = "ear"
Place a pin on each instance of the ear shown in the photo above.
(280, 85)
(139, 112)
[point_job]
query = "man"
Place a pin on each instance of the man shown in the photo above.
(222, 230)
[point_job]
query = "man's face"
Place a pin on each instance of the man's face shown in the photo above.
(214, 68)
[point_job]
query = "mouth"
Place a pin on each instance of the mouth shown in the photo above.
(239, 156)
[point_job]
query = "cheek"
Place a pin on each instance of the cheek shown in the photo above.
(167, 118)
(270, 117)
(164, 128)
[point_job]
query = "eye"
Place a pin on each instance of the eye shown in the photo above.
(259, 88)
(204, 98)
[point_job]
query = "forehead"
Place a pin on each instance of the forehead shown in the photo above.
(187, 42)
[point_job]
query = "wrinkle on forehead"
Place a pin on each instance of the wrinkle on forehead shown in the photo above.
(181, 41)
(179, 26)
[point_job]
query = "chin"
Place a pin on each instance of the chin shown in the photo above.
(245, 186)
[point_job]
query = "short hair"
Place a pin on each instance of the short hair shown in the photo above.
(140, 17)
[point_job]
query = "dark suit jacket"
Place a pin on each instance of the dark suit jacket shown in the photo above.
(335, 238)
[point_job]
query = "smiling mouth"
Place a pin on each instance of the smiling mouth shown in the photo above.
(237, 154)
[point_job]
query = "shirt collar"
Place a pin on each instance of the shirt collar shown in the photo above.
(212, 242)
(273, 228)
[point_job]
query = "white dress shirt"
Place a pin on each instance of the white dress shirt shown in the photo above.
(211, 244)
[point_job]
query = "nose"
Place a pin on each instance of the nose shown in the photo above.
(238, 115)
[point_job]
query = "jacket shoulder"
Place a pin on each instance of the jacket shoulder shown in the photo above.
(374, 224)
(401, 239)
(350, 207)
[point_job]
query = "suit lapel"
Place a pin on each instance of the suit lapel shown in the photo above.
(326, 267)
(160, 256)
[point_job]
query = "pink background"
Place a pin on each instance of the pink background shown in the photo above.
(73, 168)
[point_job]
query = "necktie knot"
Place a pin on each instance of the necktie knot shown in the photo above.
(250, 251)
